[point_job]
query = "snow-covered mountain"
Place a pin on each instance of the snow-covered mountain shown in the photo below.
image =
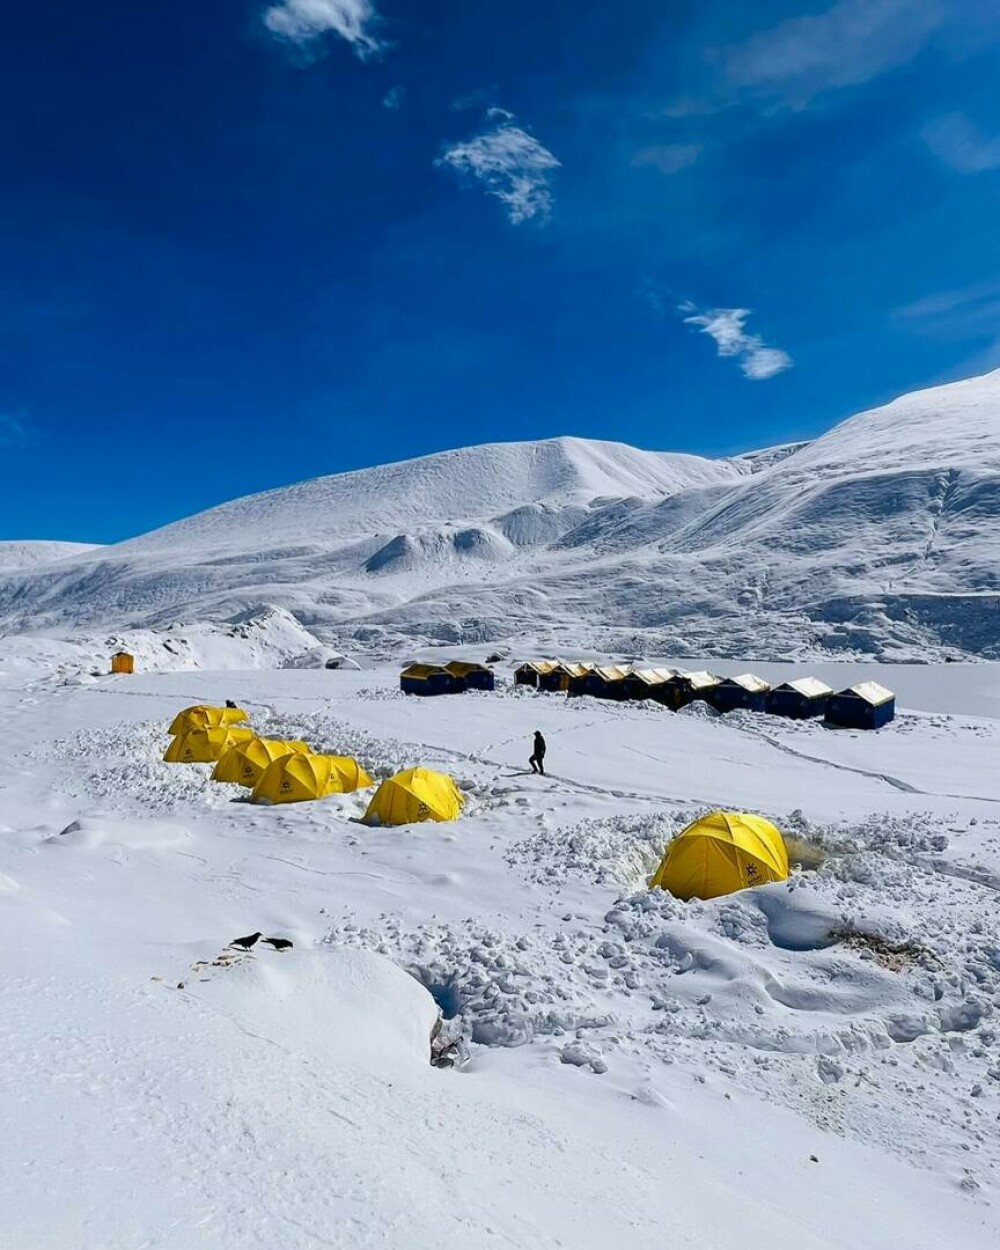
(30, 553)
(880, 538)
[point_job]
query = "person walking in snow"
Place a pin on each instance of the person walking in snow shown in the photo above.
(537, 760)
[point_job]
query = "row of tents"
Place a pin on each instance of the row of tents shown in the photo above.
(717, 854)
(288, 771)
(452, 678)
(866, 705)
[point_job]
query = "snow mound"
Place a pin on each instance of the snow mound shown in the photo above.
(91, 832)
(351, 1003)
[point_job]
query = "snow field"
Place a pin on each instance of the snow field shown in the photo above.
(640, 1065)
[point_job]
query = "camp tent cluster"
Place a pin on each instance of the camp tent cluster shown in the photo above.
(289, 771)
(454, 677)
(717, 854)
(867, 705)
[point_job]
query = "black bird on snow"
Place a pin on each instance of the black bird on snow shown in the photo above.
(244, 943)
(279, 944)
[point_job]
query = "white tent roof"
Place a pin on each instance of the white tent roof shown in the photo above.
(750, 682)
(811, 687)
(652, 676)
(872, 693)
(701, 679)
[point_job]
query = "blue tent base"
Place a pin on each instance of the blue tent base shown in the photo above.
(795, 706)
(430, 685)
(845, 711)
(730, 700)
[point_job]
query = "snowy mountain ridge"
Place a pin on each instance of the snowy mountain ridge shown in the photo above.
(29, 553)
(491, 481)
(881, 538)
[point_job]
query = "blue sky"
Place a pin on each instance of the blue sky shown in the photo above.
(245, 243)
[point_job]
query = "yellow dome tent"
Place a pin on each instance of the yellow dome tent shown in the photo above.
(204, 717)
(415, 795)
(246, 761)
(295, 778)
(721, 853)
(205, 746)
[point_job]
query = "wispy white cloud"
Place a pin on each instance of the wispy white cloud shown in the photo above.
(481, 98)
(960, 143)
(13, 429)
(963, 313)
(394, 98)
(727, 327)
(669, 158)
(849, 43)
(511, 164)
(304, 21)
(968, 315)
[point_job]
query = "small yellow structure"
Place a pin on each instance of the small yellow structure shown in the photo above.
(528, 673)
(122, 662)
(244, 763)
(415, 795)
(204, 717)
(295, 778)
(205, 746)
(721, 853)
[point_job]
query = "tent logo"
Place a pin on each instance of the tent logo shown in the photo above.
(286, 786)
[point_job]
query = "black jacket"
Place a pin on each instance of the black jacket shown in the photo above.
(539, 747)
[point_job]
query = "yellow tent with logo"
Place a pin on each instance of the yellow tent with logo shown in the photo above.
(721, 853)
(415, 795)
(295, 778)
(205, 746)
(204, 717)
(246, 761)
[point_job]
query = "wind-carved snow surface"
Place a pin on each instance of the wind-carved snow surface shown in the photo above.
(879, 540)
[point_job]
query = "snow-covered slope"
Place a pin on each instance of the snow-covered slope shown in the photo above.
(334, 549)
(29, 554)
(880, 538)
(473, 483)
